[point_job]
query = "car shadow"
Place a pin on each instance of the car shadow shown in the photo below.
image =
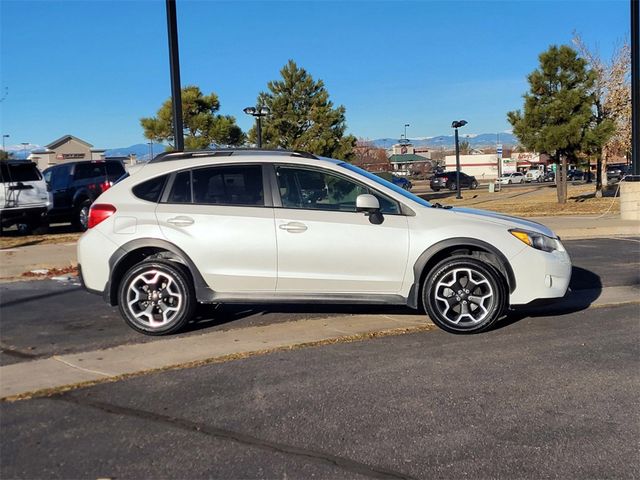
(210, 316)
(584, 289)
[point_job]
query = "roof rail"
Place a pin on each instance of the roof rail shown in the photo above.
(226, 152)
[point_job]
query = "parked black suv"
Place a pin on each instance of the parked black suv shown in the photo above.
(448, 180)
(75, 185)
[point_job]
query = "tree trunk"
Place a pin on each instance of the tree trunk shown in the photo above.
(561, 180)
(601, 174)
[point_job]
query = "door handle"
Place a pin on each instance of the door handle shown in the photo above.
(181, 221)
(293, 227)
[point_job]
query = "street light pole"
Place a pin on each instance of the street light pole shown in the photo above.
(258, 113)
(405, 130)
(174, 64)
(455, 125)
(24, 149)
(6, 135)
(150, 150)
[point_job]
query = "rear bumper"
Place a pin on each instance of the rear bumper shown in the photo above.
(10, 216)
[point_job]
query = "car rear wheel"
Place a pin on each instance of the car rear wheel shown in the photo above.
(435, 189)
(453, 186)
(81, 221)
(464, 295)
(156, 298)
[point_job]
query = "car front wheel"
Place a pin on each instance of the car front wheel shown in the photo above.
(474, 185)
(464, 295)
(156, 298)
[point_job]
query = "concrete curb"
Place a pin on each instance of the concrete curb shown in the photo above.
(40, 377)
(100, 365)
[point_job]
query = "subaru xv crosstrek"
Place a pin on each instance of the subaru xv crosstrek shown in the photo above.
(255, 226)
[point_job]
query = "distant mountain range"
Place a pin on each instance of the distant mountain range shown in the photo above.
(448, 141)
(142, 151)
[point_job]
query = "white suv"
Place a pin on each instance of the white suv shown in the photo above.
(251, 226)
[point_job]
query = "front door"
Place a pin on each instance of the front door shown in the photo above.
(325, 246)
(217, 216)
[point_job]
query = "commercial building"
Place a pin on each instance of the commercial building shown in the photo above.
(405, 161)
(65, 149)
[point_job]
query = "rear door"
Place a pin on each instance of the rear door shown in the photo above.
(219, 217)
(325, 246)
(59, 188)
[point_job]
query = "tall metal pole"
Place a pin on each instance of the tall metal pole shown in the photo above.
(635, 86)
(174, 62)
(458, 194)
(259, 130)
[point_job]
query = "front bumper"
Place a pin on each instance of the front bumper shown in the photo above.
(540, 275)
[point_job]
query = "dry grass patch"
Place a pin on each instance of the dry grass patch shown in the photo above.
(539, 201)
(28, 240)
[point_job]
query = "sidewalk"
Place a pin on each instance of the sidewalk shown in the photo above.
(15, 261)
(43, 376)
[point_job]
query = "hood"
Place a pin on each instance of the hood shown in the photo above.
(505, 220)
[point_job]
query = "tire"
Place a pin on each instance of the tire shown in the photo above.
(170, 300)
(435, 189)
(509, 182)
(474, 185)
(82, 216)
(445, 305)
(453, 186)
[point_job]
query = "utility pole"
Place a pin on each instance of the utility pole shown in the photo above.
(174, 64)
(635, 86)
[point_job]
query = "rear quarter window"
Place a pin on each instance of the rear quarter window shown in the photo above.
(151, 189)
(115, 170)
(88, 170)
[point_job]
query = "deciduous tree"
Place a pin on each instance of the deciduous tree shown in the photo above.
(612, 92)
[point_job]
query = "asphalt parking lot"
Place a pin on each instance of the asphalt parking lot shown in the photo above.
(549, 394)
(78, 321)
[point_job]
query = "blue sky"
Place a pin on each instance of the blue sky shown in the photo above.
(93, 68)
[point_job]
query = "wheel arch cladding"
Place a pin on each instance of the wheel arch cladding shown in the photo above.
(139, 250)
(462, 245)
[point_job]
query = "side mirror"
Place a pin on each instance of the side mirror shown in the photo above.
(370, 205)
(367, 203)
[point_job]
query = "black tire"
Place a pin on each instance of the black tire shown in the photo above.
(474, 185)
(509, 182)
(81, 219)
(443, 303)
(177, 296)
(435, 189)
(453, 186)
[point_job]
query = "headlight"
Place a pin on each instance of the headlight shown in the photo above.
(537, 240)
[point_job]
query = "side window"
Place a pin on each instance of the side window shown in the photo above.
(228, 185)
(181, 189)
(60, 177)
(316, 190)
(151, 189)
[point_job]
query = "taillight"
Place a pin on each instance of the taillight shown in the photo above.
(99, 212)
(445, 179)
(104, 186)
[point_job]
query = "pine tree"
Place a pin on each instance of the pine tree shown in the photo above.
(202, 126)
(558, 117)
(302, 116)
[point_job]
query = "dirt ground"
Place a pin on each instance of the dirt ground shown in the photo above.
(531, 201)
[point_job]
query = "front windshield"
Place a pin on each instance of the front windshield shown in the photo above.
(389, 185)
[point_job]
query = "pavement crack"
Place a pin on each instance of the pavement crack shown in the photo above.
(238, 437)
(88, 370)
